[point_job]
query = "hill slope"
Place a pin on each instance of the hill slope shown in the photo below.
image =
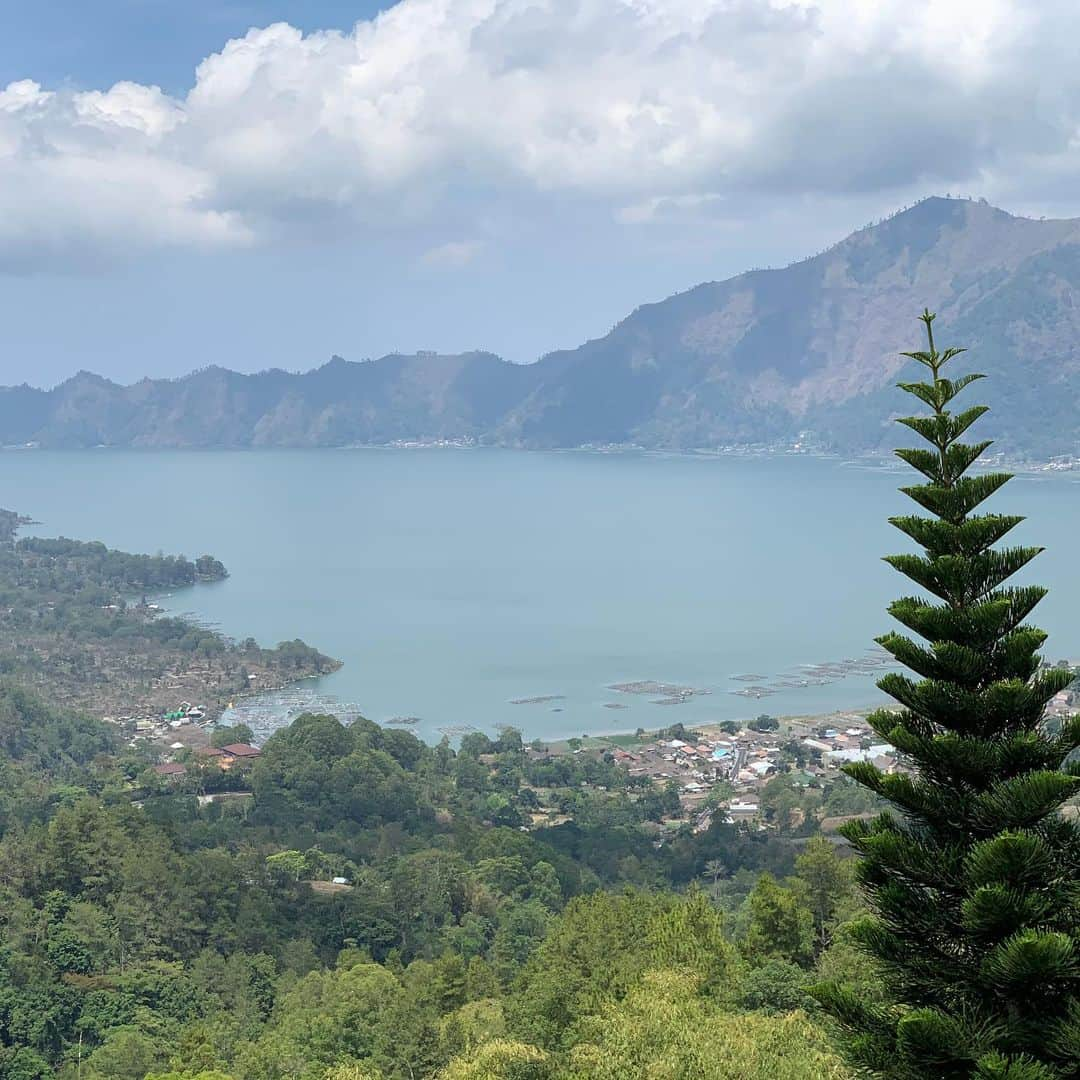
(758, 358)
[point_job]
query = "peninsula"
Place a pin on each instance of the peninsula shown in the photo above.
(77, 628)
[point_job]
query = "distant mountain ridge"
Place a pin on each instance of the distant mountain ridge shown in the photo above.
(768, 357)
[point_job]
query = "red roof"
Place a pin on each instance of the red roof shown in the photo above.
(240, 749)
(172, 768)
(209, 751)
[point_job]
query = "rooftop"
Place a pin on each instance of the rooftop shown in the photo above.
(240, 749)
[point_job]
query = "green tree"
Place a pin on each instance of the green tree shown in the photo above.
(212, 1074)
(690, 936)
(666, 1029)
(226, 736)
(973, 881)
(781, 803)
(287, 864)
(128, 1054)
(826, 881)
(354, 1072)
(778, 926)
(776, 986)
(499, 1060)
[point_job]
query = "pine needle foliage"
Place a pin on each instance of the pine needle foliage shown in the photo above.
(972, 876)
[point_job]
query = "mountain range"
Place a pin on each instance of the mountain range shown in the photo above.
(804, 354)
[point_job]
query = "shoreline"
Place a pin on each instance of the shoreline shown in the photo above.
(623, 739)
(1059, 464)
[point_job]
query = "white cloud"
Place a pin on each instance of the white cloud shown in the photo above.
(24, 94)
(650, 109)
(451, 255)
(144, 109)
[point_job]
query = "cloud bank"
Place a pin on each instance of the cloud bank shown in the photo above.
(650, 110)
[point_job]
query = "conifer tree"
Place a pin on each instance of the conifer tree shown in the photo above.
(972, 876)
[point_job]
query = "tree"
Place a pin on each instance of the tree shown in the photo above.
(669, 800)
(691, 936)
(972, 878)
(665, 1028)
(778, 927)
(715, 869)
(214, 1074)
(352, 1072)
(499, 1060)
(287, 864)
(826, 880)
(225, 736)
(128, 1054)
(721, 792)
(776, 986)
(781, 804)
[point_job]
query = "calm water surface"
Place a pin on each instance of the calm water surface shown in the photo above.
(450, 582)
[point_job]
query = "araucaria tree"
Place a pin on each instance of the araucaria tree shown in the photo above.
(972, 877)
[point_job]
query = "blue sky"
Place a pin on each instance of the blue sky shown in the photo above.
(513, 175)
(148, 41)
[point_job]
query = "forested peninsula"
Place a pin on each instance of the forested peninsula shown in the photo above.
(78, 628)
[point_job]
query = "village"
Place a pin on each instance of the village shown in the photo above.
(183, 740)
(719, 771)
(736, 765)
(723, 769)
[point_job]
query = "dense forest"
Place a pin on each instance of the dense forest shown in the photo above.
(361, 904)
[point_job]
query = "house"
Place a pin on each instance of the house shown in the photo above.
(209, 752)
(240, 750)
(170, 769)
(238, 753)
(835, 757)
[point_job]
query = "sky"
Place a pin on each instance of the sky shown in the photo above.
(268, 184)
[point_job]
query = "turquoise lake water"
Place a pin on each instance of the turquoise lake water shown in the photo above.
(452, 582)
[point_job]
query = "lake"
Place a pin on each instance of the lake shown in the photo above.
(452, 582)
